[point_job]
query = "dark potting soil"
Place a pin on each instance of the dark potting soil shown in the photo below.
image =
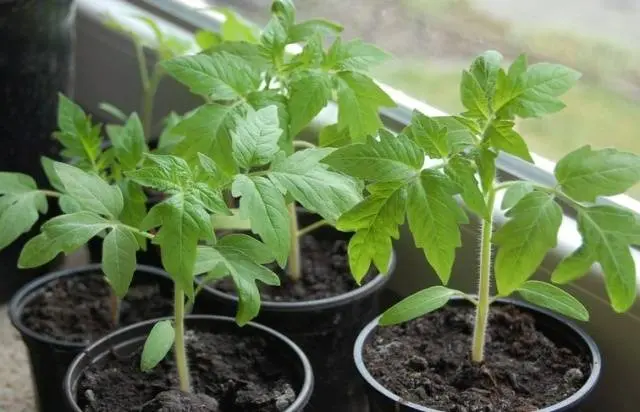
(427, 361)
(325, 273)
(236, 373)
(78, 309)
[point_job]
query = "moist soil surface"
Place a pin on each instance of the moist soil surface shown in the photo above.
(427, 361)
(229, 373)
(325, 273)
(78, 308)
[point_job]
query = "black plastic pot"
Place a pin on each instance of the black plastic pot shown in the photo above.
(556, 328)
(36, 62)
(49, 358)
(132, 338)
(325, 329)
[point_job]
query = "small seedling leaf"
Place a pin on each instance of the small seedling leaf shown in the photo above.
(157, 345)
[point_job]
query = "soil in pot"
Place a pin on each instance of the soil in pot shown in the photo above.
(427, 361)
(229, 373)
(78, 309)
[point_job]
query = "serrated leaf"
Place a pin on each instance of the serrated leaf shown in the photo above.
(552, 297)
(585, 174)
(462, 173)
(18, 214)
(607, 232)
(243, 257)
(222, 76)
(375, 221)
(514, 193)
(76, 133)
(255, 138)
(359, 100)
(170, 174)
(119, 259)
(530, 232)
(262, 203)
(434, 217)
(158, 344)
(418, 304)
(574, 266)
(253, 54)
(501, 135)
(266, 98)
(534, 92)
(430, 135)
(38, 251)
(486, 161)
(210, 199)
(388, 158)
(128, 142)
(90, 191)
(71, 118)
(316, 188)
(485, 70)
(473, 96)
(354, 55)
(216, 177)
(333, 136)
(310, 91)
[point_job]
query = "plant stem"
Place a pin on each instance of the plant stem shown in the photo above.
(293, 268)
(115, 309)
(311, 227)
(482, 307)
(303, 144)
(149, 95)
(179, 347)
(51, 193)
(542, 188)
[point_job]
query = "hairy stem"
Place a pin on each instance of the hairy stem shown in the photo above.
(303, 144)
(484, 299)
(179, 347)
(308, 229)
(293, 268)
(115, 304)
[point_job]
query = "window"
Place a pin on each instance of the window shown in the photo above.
(433, 40)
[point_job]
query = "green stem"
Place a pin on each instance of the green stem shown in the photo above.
(179, 346)
(293, 268)
(115, 309)
(149, 95)
(542, 188)
(484, 299)
(303, 144)
(312, 227)
(142, 65)
(51, 193)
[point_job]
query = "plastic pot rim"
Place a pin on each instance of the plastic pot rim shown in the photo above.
(302, 397)
(589, 385)
(29, 291)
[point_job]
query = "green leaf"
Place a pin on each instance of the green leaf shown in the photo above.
(486, 161)
(119, 259)
(501, 135)
(235, 28)
(552, 297)
(210, 199)
(354, 55)
(262, 203)
(113, 111)
(19, 212)
(484, 70)
(473, 96)
(333, 136)
(307, 29)
(38, 251)
(430, 135)
(375, 221)
(71, 118)
(389, 158)
(310, 91)
(168, 138)
(462, 173)
(316, 188)
(574, 266)
(16, 183)
(243, 257)
(585, 174)
(90, 191)
(217, 177)
(157, 346)
(359, 100)
(255, 139)
(253, 54)
(206, 131)
(135, 206)
(222, 76)
(607, 232)
(266, 98)
(514, 193)
(128, 142)
(525, 239)
(70, 232)
(434, 217)
(206, 39)
(418, 304)
(48, 165)
(536, 91)
(169, 174)
(79, 137)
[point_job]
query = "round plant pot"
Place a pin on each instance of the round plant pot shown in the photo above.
(325, 329)
(36, 62)
(50, 357)
(560, 331)
(128, 341)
